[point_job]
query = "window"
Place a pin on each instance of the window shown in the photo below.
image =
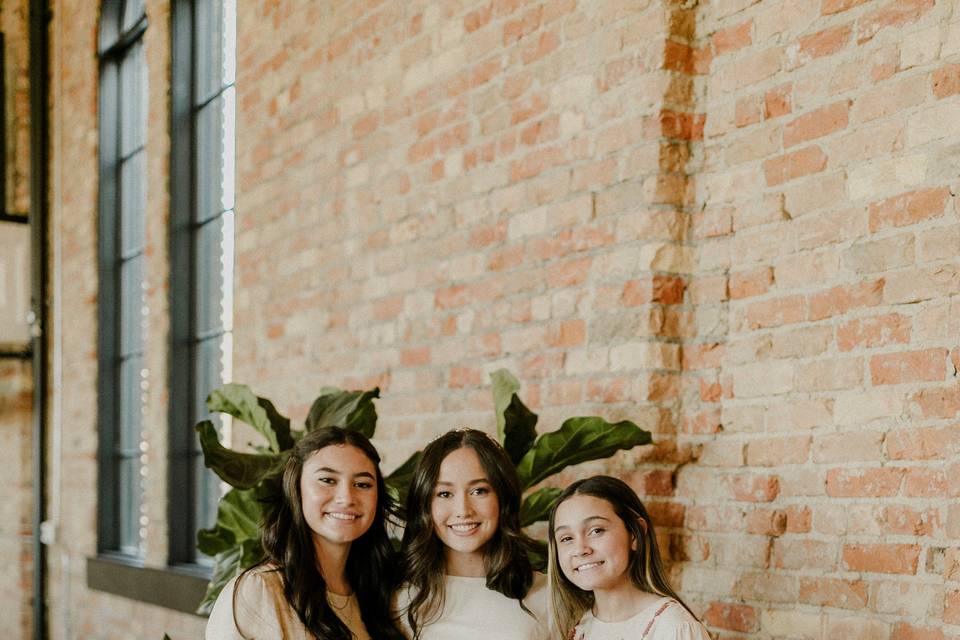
(201, 250)
(122, 306)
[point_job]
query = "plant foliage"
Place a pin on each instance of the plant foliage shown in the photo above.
(234, 540)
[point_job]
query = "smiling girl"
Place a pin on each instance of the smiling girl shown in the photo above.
(327, 551)
(605, 569)
(468, 575)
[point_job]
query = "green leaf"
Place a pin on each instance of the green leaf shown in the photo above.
(226, 566)
(537, 505)
(505, 386)
(279, 423)
(364, 417)
(240, 402)
(241, 470)
(577, 440)
(520, 430)
(399, 480)
(347, 409)
(538, 556)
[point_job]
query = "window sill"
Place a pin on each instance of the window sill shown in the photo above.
(180, 588)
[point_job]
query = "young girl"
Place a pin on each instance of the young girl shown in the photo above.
(467, 570)
(327, 551)
(605, 569)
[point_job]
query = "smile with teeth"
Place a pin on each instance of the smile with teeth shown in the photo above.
(588, 566)
(464, 527)
(348, 517)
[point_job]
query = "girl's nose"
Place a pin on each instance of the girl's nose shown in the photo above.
(345, 494)
(462, 506)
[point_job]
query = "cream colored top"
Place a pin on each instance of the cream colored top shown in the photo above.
(665, 619)
(263, 613)
(473, 612)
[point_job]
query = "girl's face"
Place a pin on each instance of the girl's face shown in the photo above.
(593, 544)
(338, 489)
(465, 508)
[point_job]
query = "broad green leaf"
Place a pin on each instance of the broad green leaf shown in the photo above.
(214, 540)
(241, 470)
(279, 423)
(239, 512)
(505, 385)
(363, 418)
(335, 408)
(226, 566)
(538, 556)
(399, 481)
(520, 431)
(577, 440)
(537, 505)
(240, 402)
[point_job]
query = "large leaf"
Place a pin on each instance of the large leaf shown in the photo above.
(577, 440)
(537, 505)
(398, 482)
(520, 431)
(279, 423)
(238, 519)
(538, 556)
(347, 409)
(226, 566)
(505, 386)
(240, 402)
(241, 470)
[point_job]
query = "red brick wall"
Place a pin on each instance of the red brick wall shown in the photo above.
(732, 222)
(825, 498)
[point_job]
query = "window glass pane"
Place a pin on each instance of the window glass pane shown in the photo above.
(131, 411)
(209, 372)
(133, 100)
(209, 308)
(129, 507)
(208, 494)
(131, 305)
(132, 12)
(209, 49)
(133, 202)
(210, 154)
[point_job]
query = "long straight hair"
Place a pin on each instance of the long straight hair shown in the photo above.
(568, 601)
(288, 544)
(507, 566)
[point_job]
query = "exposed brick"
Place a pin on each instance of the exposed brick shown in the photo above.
(892, 14)
(732, 38)
(778, 101)
(826, 42)
(908, 208)
(881, 558)
(733, 617)
(878, 331)
(839, 300)
(833, 592)
(929, 365)
(946, 81)
(796, 164)
(862, 483)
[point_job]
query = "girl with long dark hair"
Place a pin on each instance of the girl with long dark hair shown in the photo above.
(606, 577)
(325, 575)
(467, 570)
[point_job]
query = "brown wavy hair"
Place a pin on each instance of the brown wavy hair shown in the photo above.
(508, 568)
(288, 546)
(568, 601)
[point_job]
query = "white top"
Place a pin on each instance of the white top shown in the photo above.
(263, 612)
(473, 612)
(665, 619)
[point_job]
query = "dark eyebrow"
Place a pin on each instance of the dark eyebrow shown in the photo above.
(584, 521)
(362, 474)
(469, 484)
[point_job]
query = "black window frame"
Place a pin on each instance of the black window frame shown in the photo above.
(185, 482)
(115, 44)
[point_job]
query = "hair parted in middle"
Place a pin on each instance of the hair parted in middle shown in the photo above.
(568, 602)
(288, 543)
(508, 568)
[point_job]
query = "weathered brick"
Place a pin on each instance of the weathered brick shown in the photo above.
(929, 365)
(881, 558)
(908, 208)
(796, 164)
(861, 483)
